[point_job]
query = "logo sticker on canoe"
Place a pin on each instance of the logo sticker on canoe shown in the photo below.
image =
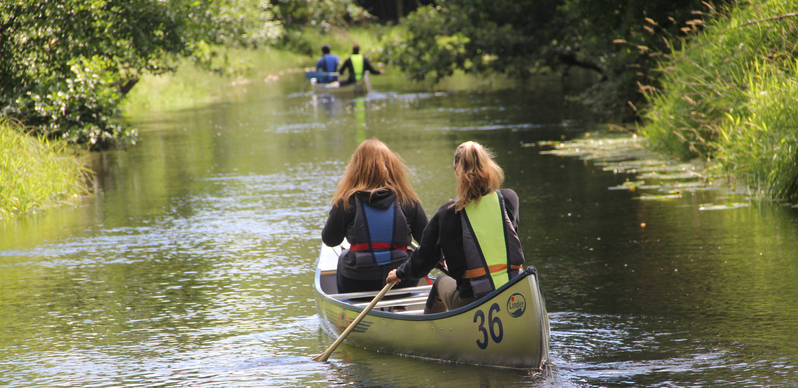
(343, 320)
(516, 305)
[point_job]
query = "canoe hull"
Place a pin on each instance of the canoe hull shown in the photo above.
(361, 87)
(508, 328)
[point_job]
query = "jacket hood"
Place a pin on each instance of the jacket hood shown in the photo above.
(381, 199)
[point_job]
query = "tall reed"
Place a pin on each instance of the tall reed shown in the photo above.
(730, 96)
(36, 174)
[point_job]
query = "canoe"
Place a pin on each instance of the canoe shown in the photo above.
(363, 86)
(507, 328)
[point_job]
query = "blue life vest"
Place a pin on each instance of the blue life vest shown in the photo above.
(381, 235)
(330, 65)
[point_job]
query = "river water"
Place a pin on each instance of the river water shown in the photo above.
(193, 263)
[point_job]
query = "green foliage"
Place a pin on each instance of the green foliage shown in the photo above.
(474, 36)
(36, 173)
(65, 60)
(238, 23)
(66, 64)
(322, 13)
(616, 39)
(730, 96)
(308, 21)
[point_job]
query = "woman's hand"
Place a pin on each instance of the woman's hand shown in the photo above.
(392, 277)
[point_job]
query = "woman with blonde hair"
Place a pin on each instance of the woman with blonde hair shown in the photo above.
(476, 233)
(376, 210)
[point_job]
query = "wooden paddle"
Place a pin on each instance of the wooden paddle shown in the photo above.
(324, 356)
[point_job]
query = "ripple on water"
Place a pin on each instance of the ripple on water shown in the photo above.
(602, 350)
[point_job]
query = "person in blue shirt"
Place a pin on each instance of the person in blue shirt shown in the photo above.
(329, 63)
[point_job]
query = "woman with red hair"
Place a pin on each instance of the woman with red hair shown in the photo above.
(376, 210)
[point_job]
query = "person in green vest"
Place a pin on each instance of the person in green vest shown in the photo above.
(474, 236)
(356, 65)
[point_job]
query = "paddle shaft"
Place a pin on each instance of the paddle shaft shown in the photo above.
(324, 356)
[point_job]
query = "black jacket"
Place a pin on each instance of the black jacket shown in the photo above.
(347, 66)
(443, 239)
(341, 223)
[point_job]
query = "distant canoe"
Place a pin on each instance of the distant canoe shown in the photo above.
(362, 86)
(507, 328)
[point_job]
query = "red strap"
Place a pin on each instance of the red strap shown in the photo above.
(376, 245)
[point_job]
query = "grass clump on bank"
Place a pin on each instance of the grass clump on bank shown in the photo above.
(730, 96)
(34, 173)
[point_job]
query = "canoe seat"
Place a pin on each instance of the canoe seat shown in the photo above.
(371, 294)
(410, 300)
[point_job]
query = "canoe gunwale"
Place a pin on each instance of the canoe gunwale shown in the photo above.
(530, 271)
(362, 86)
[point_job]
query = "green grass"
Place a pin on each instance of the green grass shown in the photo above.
(36, 174)
(191, 86)
(729, 96)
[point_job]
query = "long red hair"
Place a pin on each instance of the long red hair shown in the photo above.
(477, 175)
(374, 166)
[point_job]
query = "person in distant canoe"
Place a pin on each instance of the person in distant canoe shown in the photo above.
(378, 212)
(356, 65)
(476, 234)
(329, 63)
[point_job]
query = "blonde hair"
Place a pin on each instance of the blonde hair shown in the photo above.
(374, 167)
(478, 174)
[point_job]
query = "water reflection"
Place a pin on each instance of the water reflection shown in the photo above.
(193, 265)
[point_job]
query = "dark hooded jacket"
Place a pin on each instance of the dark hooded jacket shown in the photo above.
(342, 224)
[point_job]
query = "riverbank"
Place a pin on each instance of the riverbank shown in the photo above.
(36, 174)
(192, 86)
(729, 97)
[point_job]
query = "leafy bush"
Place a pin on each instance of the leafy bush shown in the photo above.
(618, 40)
(66, 64)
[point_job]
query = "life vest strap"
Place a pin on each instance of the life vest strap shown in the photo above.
(376, 245)
(475, 273)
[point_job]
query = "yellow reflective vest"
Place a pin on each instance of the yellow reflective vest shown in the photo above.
(492, 248)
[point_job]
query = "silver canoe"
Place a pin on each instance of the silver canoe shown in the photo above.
(363, 86)
(507, 328)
